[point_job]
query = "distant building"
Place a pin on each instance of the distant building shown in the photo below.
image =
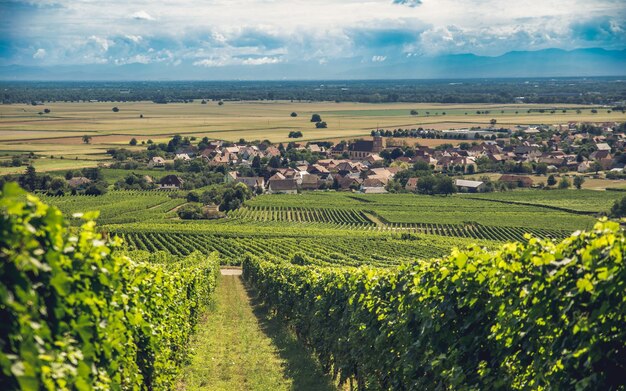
(363, 148)
(253, 183)
(156, 161)
(470, 186)
(282, 186)
(373, 186)
(411, 184)
(170, 182)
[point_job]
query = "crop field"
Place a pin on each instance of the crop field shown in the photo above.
(23, 129)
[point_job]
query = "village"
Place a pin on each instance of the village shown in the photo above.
(386, 163)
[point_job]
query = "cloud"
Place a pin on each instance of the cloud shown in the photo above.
(134, 38)
(261, 61)
(410, 3)
(142, 15)
(222, 33)
(226, 61)
(100, 42)
(39, 54)
(211, 62)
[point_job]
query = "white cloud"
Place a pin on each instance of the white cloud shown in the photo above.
(225, 60)
(39, 54)
(102, 43)
(134, 38)
(261, 61)
(142, 15)
(212, 62)
(256, 32)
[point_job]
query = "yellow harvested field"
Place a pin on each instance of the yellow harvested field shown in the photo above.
(60, 132)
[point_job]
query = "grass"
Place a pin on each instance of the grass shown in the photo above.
(238, 347)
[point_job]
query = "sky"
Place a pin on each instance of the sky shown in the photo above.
(249, 34)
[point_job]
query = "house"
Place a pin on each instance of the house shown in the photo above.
(182, 156)
(78, 181)
(373, 186)
(230, 177)
(374, 158)
(470, 186)
(170, 182)
(282, 186)
(411, 184)
(603, 147)
(156, 161)
(254, 182)
(361, 149)
(310, 182)
(517, 180)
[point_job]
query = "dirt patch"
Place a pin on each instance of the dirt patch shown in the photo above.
(231, 272)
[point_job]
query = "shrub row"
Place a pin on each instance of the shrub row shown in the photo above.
(536, 315)
(76, 314)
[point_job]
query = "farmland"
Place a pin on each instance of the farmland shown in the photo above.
(340, 228)
(59, 133)
(402, 269)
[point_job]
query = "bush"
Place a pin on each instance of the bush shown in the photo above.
(78, 315)
(192, 211)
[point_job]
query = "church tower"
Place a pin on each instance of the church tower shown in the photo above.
(379, 144)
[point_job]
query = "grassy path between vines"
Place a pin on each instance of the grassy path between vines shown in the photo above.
(237, 347)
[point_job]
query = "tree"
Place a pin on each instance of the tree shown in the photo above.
(596, 166)
(445, 185)
(551, 180)
(414, 112)
(58, 186)
(619, 208)
(321, 125)
(220, 103)
(541, 169)
(115, 109)
(294, 114)
(86, 139)
(133, 141)
(30, 178)
(316, 118)
(493, 122)
(47, 111)
(564, 183)
(578, 181)
(256, 162)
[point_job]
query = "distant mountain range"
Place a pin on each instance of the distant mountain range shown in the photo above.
(542, 63)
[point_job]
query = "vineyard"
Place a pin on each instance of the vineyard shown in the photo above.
(539, 315)
(422, 209)
(118, 207)
(77, 313)
(340, 249)
(303, 215)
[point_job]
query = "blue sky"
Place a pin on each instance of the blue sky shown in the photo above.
(216, 34)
